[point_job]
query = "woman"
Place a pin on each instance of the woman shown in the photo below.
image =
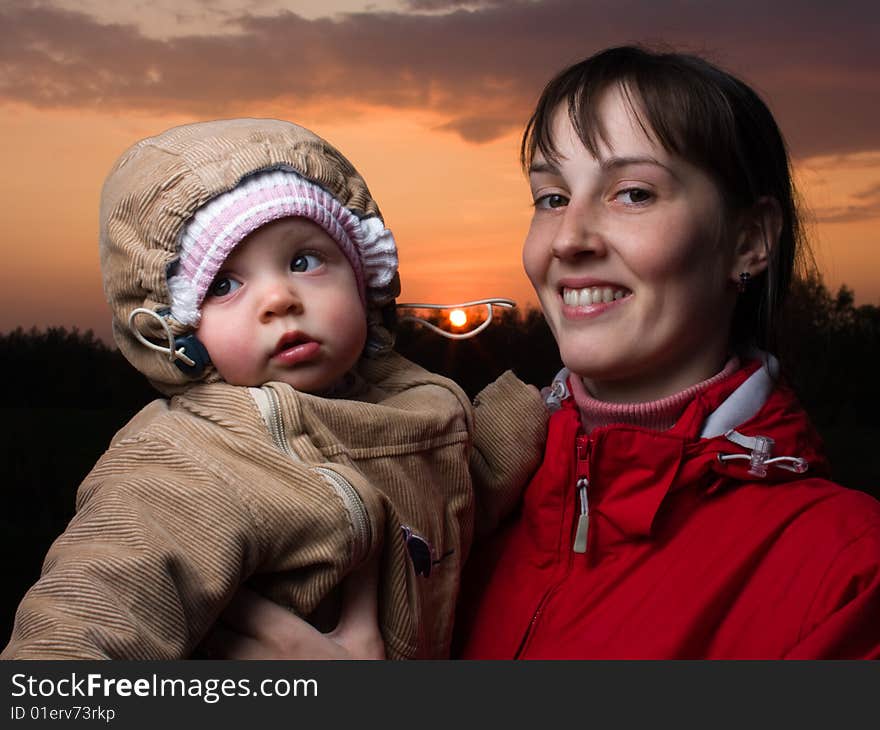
(682, 509)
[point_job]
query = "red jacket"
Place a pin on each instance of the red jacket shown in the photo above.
(688, 555)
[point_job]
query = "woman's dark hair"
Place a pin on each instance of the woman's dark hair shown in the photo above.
(707, 117)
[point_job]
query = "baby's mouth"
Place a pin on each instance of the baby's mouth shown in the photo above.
(289, 340)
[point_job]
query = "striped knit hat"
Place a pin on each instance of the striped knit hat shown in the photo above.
(223, 222)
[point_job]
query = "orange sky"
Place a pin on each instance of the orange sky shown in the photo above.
(458, 232)
(440, 158)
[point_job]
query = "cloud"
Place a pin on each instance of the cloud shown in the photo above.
(858, 161)
(163, 19)
(480, 70)
(872, 193)
(848, 213)
(431, 5)
(868, 208)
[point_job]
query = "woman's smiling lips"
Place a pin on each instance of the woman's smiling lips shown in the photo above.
(588, 298)
(295, 348)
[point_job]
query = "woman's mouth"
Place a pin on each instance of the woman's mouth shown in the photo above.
(591, 301)
(295, 348)
(590, 295)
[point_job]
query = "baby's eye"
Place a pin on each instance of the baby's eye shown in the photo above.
(305, 262)
(223, 286)
(634, 196)
(553, 200)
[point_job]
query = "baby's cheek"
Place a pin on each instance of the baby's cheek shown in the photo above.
(232, 352)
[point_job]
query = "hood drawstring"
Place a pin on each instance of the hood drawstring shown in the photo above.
(557, 392)
(739, 407)
(761, 448)
(186, 352)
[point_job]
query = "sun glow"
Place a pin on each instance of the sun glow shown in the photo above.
(458, 318)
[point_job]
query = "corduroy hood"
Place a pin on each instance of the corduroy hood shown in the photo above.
(158, 184)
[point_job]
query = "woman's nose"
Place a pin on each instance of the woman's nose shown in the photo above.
(279, 297)
(577, 235)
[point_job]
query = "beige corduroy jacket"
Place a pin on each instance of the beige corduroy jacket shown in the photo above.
(223, 485)
(204, 492)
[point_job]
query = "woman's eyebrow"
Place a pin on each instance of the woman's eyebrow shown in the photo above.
(615, 163)
(610, 163)
(543, 166)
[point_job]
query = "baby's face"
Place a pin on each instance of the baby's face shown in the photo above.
(284, 307)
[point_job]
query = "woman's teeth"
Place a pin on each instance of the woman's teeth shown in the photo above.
(592, 295)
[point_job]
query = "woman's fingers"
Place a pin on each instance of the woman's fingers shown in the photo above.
(360, 599)
(253, 627)
(251, 614)
(358, 628)
(286, 637)
(222, 643)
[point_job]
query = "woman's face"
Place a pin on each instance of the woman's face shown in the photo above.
(629, 257)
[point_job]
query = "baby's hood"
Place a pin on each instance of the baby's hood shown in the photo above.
(158, 184)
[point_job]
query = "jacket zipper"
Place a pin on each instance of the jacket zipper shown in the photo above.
(276, 424)
(582, 482)
(534, 620)
(349, 495)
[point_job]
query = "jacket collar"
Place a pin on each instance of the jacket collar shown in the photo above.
(633, 470)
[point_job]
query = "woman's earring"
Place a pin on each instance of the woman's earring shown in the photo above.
(744, 279)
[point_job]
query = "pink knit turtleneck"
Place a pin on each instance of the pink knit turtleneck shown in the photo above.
(658, 414)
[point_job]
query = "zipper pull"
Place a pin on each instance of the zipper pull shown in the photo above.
(581, 471)
(583, 526)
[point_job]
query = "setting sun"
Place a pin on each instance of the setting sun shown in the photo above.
(458, 318)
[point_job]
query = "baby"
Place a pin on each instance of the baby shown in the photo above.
(252, 280)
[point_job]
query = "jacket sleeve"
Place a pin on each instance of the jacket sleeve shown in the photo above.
(842, 622)
(157, 547)
(510, 431)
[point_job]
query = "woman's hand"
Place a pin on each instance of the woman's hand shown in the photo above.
(253, 627)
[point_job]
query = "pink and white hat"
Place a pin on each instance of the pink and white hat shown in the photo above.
(223, 222)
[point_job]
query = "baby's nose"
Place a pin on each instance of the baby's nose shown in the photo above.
(280, 297)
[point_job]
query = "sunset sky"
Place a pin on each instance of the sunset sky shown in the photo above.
(426, 97)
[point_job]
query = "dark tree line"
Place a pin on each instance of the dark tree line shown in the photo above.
(67, 393)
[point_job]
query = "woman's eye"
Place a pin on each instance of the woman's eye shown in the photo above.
(634, 196)
(305, 262)
(554, 200)
(223, 286)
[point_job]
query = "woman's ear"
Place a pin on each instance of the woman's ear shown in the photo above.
(759, 231)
